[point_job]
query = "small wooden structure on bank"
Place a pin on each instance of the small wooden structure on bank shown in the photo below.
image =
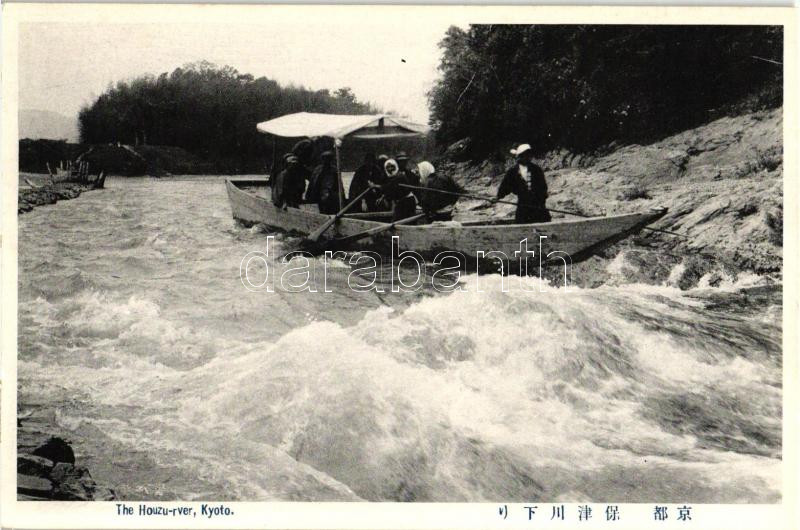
(77, 172)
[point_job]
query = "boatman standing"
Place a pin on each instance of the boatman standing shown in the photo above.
(526, 180)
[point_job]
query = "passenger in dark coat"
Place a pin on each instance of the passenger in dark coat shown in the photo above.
(276, 183)
(312, 191)
(368, 174)
(432, 200)
(411, 176)
(288, 187)
(323, 188)
(526, 180)
(382, 204)
(403, 202)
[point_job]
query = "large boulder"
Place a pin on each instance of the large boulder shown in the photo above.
(56, 450)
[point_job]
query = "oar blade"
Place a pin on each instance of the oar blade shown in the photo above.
(318, 246)
(316, 234)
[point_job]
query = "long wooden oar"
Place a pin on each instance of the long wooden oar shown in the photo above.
(376, 230)
(492, 199)
(314, 236)
(320, 247)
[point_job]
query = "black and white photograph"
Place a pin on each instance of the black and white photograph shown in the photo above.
(372, 255)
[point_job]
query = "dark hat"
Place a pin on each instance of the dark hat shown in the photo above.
(302, 147)
(326, 154)
(401, 156)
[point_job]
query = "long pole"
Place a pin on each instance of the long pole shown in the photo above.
(481, 198)
(339, 173)
(274, 148)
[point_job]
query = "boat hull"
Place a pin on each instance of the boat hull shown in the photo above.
(578, 238)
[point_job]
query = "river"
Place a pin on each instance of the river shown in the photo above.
(175, 382)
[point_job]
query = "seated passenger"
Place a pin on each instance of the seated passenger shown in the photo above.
(277, 180)
(403, 202)
(434, 200)
(323, 189)
(294, 182)
(368, 174)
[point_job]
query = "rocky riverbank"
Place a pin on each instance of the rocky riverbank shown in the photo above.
(722, 184)
(47, 466)
(47, 193)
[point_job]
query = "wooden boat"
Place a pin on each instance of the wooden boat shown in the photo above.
(579, 238)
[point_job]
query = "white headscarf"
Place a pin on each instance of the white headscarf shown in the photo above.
(521, 149)
(391, 167)
(425, 169)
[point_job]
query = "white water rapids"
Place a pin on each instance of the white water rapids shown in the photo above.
(174, 382)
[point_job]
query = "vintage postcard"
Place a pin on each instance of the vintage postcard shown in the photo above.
(398, 266)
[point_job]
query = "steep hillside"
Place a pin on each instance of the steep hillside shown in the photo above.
(722, 183)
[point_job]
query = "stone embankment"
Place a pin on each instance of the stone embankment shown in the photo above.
(30, 197)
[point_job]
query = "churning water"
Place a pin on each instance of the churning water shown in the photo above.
(175, 382)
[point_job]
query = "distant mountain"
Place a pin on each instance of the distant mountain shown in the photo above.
(36, 124)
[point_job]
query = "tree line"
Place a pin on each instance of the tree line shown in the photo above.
(208, 110)
(582, 87)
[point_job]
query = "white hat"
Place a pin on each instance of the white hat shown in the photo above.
(521, 149)
(425, 169)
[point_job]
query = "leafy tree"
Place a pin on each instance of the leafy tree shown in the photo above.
(582, 87)
(209, 110)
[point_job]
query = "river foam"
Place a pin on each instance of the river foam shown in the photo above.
(176, 382)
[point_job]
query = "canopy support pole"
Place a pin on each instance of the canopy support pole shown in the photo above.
(272, 168)
(339, 174)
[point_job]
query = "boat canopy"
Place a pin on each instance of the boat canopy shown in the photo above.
(366, 126)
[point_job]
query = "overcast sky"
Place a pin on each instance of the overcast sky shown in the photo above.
(63, 66)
